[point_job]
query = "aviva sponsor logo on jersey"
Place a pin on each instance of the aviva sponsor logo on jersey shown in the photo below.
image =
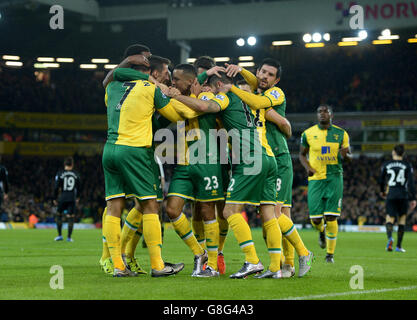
(220, 97)
(325, 150)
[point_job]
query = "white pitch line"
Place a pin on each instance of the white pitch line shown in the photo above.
(348, 293)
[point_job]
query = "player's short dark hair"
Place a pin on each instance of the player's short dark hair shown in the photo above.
(69, 161)
(241, 82)
(399, 150)
(204, 62)
(135, 49)
(327, 106)
(273, 63)
(157, 63)
(187, 69)
(223, 78)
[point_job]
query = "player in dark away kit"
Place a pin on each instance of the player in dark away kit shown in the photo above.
(68, 181)
(397, 174)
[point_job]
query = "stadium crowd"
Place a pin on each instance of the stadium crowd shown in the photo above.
(353, 81)
(32, 187)
(31, 191)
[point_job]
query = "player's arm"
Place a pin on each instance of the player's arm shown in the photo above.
(304, 149)
(57, 185)
(254, 101)
(282, 123)
(218, 103)
(78, 186)
(198, 105)
(137, 59)
(411, 187)
(345, 151)
(202, 77)
(129, 74)
(232, 70)
(164, 106)
(382, 178)
(184, 111)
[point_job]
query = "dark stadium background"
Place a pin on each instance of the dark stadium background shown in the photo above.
(372, 88)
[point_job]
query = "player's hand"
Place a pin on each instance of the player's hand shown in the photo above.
(311, 172)
(138, 59)
(55, 203)
(163, 87)
(413, 205)
(5, 197)
(383, 195)
(172, 92)
(215, 70)
(225, 87)
(196, 88)
(232, 70)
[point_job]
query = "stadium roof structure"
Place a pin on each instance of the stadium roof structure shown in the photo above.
(182, 29)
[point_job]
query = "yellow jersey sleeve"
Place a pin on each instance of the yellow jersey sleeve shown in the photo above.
(345, 143)
(170, 113)
(222, 100)
(183, 110)
(250, 79)
(106, 97)
(254, 101)
(276, 95)
(206, 96)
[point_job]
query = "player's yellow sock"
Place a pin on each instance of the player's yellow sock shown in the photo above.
(289, 231)
(105, 253)
(152, 235)
(211, 230)
(111, 231)
(331, 236)
(288, 252)
(243, 235)
(132, 244)
(183, 228)
(320, 226)
(132, 222)
(273, 241)
(198, 229)
(223, 229)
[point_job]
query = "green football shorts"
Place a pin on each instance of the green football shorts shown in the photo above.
(285, 179)
(256, 188)
(157, 177)
(226, 171)
(325, 196)
(197, 182)
(128, 171)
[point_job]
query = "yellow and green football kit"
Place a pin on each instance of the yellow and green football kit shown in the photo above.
(325, 187)
(201, 179)
(254, 163)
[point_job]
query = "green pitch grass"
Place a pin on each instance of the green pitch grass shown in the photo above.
(26, 257)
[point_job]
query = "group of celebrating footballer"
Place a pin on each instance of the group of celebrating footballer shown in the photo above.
(204, 97)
